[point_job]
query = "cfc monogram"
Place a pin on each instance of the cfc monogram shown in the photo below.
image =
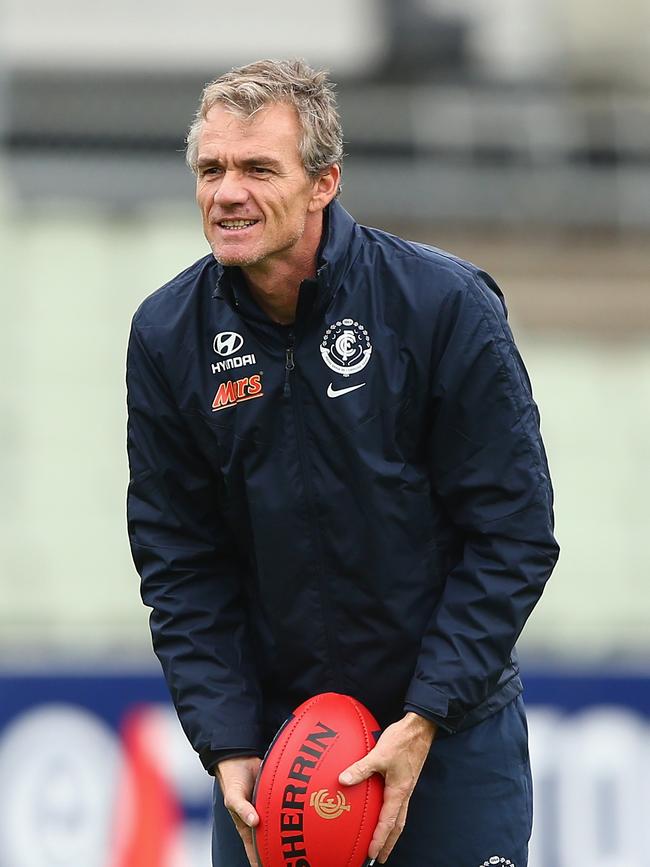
(328, 808)
(497, 861)
(345, 347)
(237, 391)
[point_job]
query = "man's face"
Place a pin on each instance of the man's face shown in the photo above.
(254, 194)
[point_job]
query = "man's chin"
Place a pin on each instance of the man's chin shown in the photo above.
(235, 258)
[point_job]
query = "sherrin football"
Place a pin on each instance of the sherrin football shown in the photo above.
(307, 818)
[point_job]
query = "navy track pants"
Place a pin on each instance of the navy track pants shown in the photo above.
(472, 805)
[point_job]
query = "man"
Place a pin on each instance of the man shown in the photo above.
(337, 484)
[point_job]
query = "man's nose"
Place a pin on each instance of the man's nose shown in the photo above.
(231, 189)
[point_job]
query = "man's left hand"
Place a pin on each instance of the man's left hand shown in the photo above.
(398, 756)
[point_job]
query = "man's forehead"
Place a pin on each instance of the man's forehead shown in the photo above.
(273, 120)
(272, 132)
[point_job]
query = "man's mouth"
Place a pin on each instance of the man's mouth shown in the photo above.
(236, 225)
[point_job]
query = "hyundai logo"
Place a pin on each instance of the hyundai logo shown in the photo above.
(227, 343)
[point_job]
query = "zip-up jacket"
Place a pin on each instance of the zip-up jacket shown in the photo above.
(359, 502)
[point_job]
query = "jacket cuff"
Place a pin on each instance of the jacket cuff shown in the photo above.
(211, 758)
(432, 703)
(234, 740)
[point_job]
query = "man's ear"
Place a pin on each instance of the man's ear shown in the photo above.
(325, 188)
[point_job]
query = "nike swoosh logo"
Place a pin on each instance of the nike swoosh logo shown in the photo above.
(331, 392)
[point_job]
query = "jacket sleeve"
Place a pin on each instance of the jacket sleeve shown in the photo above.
(190, 571)
(488, 468)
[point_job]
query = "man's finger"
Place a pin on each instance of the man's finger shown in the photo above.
(247, 838)
(388, 817)
(240, 808)
(246, 834)
(394, 835)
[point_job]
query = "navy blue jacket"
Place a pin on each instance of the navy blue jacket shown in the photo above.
(359, 502)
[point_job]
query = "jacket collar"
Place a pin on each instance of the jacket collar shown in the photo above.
(340, 246)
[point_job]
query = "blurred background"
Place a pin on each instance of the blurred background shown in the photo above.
(515, 133)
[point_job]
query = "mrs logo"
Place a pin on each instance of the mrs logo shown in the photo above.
(346, 347)
(328, 808)
(231, 392)
(227, 343)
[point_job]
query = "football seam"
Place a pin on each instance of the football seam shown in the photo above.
(270, 790)
(365, 802)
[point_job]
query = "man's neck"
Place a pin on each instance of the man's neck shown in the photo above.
(276, 290)
(275, 285)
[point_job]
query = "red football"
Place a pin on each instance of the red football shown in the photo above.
(307, 818)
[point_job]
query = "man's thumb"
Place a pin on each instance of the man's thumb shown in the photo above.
(357, 772)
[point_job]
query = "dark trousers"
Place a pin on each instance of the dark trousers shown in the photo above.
(472, 805)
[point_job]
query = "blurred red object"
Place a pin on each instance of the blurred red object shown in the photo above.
(148, 815)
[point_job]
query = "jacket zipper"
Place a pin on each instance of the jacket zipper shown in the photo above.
(290, 366)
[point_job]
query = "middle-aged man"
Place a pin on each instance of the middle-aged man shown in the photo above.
(337, 484)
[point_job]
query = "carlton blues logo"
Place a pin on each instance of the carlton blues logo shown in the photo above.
(346, 347)
(327, 807)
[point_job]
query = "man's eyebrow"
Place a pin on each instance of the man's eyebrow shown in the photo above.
(261, 161)
(268, 162)
(208, 161)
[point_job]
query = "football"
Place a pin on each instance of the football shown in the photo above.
(307, 818)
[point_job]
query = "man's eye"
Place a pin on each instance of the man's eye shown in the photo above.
(211, 170)
(261, 170)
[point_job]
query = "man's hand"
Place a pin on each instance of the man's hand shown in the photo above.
(398, 756)
(237, 779)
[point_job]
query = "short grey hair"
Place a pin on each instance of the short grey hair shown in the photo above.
(247, 89)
